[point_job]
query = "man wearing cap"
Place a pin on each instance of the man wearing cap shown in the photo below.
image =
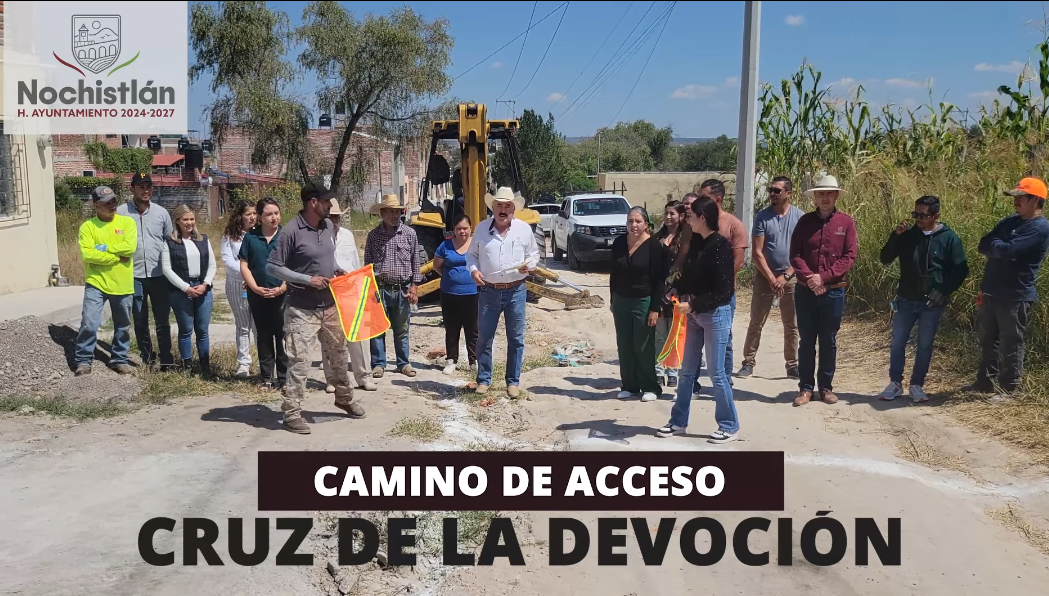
(1015, 249)
(107, 244)
(305, 259)
(151, 288)
(347, 259)
(823, 249)
(499, 259)
(392, 249)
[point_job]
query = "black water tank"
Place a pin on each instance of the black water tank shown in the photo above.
(207, 146)
(194, 157)
(182, 144)
(154, 143)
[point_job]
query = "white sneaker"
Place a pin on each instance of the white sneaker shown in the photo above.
(892, 391)
(720, 436)
(242, 371)
(648, 397)
(670, 430)
(330, 388)
(449, 368)
(623, 394)
(918, 394)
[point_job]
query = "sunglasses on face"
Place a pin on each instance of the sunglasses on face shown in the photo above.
(776, 191)
(917, 215)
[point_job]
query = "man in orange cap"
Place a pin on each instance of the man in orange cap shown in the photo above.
(1015, 249)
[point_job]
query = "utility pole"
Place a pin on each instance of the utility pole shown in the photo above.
(747, 139)
(510, 103)
(597, 174)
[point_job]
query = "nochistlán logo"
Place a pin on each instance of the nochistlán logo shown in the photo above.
(95, 43)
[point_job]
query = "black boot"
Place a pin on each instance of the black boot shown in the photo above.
(205, 367)
(187, 365)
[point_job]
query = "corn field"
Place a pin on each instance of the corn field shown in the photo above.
(886, 158)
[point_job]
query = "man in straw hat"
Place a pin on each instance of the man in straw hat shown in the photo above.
(1015, 249)
(392, 247)
(305, 258)
(823, 248)
(499, 259)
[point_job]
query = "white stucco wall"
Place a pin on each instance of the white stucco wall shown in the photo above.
(28, 240)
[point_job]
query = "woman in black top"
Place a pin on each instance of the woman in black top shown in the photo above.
(672, 236)
(704, 292)
(636, 288)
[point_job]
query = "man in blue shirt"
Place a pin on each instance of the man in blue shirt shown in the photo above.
(774, 280)
(1015, 249)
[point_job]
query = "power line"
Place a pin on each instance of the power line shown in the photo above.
(611, 60)
(634, 49)
(643, 68)
(609, 36)
(604, 78)
(521, 53)
(543, 59)
(505, 45)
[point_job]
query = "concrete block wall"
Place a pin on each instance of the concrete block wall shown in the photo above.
(167, 197)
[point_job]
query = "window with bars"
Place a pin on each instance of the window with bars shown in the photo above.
(13, 203)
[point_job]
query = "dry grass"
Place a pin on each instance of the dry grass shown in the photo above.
(1014, 520)
(913, 447)
(425, 429)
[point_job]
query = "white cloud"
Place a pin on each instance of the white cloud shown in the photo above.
(907, 83)
(497, 64)
(693, 92)
(984, 95)
(794, 20)
(555, 96)
(731, 81)
(1014, 67)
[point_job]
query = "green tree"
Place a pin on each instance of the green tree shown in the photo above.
(381, 70)
(718, 155)
(542, 149)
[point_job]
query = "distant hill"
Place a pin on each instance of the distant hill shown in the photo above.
(677, 140)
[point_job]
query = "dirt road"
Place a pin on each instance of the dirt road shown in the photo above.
(76, 495)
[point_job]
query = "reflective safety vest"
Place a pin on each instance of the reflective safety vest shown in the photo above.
(673, 351)
(357, 299)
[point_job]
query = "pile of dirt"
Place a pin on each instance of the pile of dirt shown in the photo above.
(36, 360)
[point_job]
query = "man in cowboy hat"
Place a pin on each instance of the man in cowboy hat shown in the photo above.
(305, 258)
(392, 247)
(823, 248)
(499, 259)
(1015, 249)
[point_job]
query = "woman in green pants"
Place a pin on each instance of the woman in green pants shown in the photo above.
(636, 288)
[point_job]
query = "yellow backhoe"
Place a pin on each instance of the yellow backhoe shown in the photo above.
(474, 131)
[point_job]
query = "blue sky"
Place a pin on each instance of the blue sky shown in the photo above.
(691, 82)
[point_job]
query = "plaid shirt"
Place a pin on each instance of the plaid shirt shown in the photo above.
(395, 256)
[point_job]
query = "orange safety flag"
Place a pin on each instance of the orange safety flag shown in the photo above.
(673, 351)
(357, 300)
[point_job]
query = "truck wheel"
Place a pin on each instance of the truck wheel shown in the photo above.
(429, 240)
(573, 262)
(559, 254)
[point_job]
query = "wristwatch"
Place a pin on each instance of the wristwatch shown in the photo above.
(790, 277)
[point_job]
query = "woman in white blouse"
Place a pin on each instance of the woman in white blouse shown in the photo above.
(188, 263)
(241, 221)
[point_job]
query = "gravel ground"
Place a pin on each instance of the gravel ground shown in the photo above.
(36, 360)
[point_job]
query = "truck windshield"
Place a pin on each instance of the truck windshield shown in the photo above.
(602, 206)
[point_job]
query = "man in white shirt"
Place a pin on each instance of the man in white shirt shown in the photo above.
(348, 259)
(500, 257)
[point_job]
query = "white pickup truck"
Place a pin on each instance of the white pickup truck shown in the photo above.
(586, 225)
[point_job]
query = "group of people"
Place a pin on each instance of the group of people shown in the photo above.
(141, 259)
(801, 264)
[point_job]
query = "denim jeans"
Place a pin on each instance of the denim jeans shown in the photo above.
(91, 319)
(395, 301)
(1002, 327)
(819, 318)
(728, 345)
(193, 316)
(153, 292)
(927, 318)
(490, 304)
(707, 332)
